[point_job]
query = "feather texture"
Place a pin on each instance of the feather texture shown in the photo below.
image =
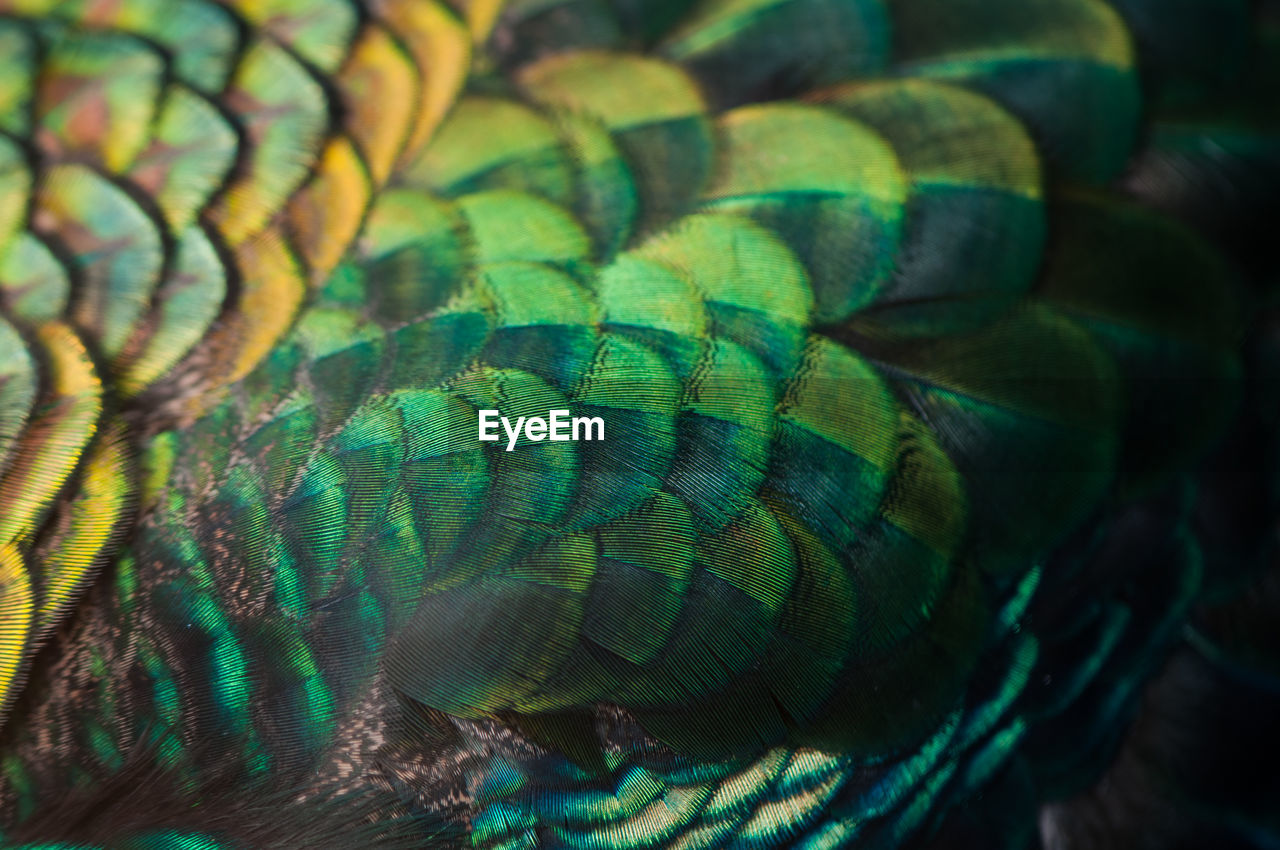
(904, 366)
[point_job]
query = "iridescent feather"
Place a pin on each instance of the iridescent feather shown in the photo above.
(910, 336)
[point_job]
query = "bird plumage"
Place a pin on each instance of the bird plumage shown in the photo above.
(908, 329)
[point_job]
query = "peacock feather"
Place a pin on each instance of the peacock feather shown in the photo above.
(933, 347)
